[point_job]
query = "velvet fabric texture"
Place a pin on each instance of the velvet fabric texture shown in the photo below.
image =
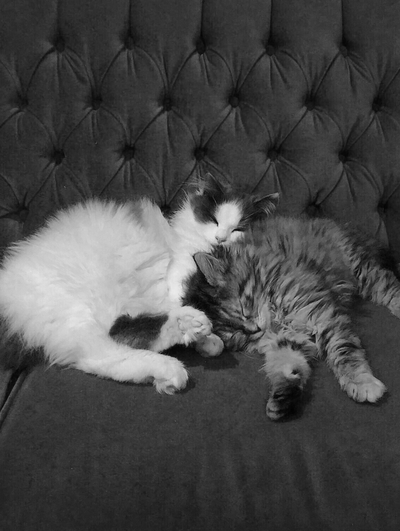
(121, 98)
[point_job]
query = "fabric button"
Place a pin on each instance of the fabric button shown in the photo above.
(273, 154)
(200, 153)
(270, 49)
(200, 47)
(343, 156)
(23, 104)
(60, 45)
(58, 156)
(129, 42)
(167, 104)
(129, 153)
(166, 210)
(312, 210)
(343, 50)
(23, 214)
(310, 105)
(234, 100)
(97, 103)
(377, 104)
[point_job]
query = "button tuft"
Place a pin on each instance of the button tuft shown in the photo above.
(166, 210)
(23, 214)
(377, 104)
(200, 47)
(129, 42)
(270, 49)
(97, 103)
(310, 105)
(199, 153)
(60, 45)
(234, 100)
(23, 104)
(167, 104)
(343, 50)
(128, 153)
(273, 154)
(58, 156)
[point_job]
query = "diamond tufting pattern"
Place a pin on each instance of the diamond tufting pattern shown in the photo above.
(120, 98)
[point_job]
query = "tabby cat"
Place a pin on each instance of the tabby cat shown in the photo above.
(62, 289)
(285, 291)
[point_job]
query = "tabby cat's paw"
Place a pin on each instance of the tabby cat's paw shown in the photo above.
(363, 388)
(283, 399)
(209, 346)
(171, 376)
(193, 324)
(394, 307)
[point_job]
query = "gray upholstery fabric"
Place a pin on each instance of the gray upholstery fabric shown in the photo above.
(121, 98)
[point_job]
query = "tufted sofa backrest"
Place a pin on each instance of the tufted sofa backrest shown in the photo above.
(119, 98)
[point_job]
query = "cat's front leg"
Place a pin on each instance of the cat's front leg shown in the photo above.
(362, 387)
(182, 325)
(347, 359)
(185, 325)
(287, 368)
(123, 363)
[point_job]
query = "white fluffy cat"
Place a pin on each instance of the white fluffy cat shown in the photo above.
(64, 288)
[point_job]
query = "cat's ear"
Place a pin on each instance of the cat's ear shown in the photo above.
(266, 204)
(211, 267)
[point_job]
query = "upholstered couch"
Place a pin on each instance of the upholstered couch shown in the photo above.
(119, 98)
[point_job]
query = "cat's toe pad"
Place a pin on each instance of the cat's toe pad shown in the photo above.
(193, 324)
(364, 388)
(171, 377)
(209, 346)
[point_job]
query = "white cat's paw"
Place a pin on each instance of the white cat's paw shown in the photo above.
(364, 388)
(171, 377)
(193, 324)
(209, 346)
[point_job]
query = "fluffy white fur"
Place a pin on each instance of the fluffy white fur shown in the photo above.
(62, 289)
(194, 237)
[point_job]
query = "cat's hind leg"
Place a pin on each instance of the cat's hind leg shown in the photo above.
(108, 359)
(374, 269)
(380, 286)
(194, 327)
(346, 357)
(287, 367)
(87, 346)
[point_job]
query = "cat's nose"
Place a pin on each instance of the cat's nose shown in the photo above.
(252, 327)
(221, 238)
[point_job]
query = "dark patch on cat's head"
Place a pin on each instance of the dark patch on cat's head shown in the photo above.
(205, 289)
(206, 193)
(219, 288)
(211, 267)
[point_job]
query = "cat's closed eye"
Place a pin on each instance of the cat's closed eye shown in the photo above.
(245, 310)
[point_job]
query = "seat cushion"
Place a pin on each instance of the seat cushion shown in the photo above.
(79, 453)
